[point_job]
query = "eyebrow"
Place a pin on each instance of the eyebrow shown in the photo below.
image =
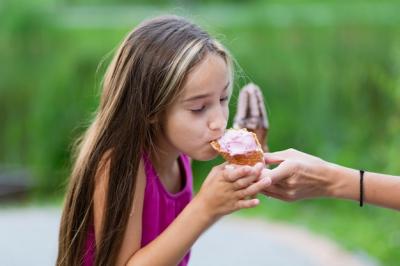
(201, 96)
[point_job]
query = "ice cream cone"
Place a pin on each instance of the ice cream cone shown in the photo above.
(247, 157)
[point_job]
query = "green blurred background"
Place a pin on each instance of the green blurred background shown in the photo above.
(329, 70)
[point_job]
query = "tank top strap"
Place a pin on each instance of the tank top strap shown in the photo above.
(148, 167)
(151, 174)
(185, 159)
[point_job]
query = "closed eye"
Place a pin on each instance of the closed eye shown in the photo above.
(198, 110)
(224, 99)
(202, 108)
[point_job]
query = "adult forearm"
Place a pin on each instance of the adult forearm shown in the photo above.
(379, 189)
(345, 182)
(176, 240)
(382, 190)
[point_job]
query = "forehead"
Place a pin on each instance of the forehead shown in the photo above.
(210, 76)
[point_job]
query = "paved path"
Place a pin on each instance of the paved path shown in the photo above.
(28, 236)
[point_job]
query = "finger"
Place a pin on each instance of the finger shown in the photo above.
(219, 168)
(279, 173)
(255, 188)
(244, 182)
(230, 167)
(254, 108)
(241, 109)
(265, 173)
(273, 195)
(280, 156)
(234, 173)
(280, 193)
(247, 203)
(273, 158)
(253, 176)
(258, 168)
(274, 189)
(243, 102)
(253, 171)
(265, 122)
(286, 154)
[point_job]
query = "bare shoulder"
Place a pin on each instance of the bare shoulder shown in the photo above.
(132, 238)
(133, 234)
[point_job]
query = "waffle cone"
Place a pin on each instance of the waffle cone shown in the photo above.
(249, 158)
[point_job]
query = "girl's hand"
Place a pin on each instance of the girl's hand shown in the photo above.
(229, 188)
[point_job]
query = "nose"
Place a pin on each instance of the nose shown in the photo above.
(218, 121)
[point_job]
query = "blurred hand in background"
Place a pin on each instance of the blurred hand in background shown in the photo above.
(251, 113)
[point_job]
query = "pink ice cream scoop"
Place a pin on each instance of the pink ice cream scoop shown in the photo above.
(238, 142)
(239, 146)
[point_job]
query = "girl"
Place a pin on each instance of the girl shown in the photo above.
(165, 97)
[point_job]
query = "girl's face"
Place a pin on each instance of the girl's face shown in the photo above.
(200, 114)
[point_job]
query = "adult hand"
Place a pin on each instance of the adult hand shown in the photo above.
(297, 176)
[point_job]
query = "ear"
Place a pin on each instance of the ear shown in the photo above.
(153, 120)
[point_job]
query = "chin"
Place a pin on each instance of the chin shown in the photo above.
(204, 156)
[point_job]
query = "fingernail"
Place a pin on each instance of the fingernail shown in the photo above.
(229, 167)
(266, 180)
(264, 172)
(259, 165)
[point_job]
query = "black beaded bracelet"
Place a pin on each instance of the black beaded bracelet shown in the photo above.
(361, 188)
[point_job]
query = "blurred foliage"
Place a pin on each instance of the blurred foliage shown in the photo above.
(330, 73)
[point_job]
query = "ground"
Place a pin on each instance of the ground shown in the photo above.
(29, 237)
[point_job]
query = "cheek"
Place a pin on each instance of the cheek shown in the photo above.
(186, 128)
(226, 112)
(195, 128)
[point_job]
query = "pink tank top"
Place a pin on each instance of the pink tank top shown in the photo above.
(160, 207)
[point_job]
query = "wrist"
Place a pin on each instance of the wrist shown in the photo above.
(200, 207)
(345, 182)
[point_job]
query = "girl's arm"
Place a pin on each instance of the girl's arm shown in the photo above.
(216, 198)
(132, 238)
(171, 245)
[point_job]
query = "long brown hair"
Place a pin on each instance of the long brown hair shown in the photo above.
(145, 76)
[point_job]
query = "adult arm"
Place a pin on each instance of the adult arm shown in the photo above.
(300, 175)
